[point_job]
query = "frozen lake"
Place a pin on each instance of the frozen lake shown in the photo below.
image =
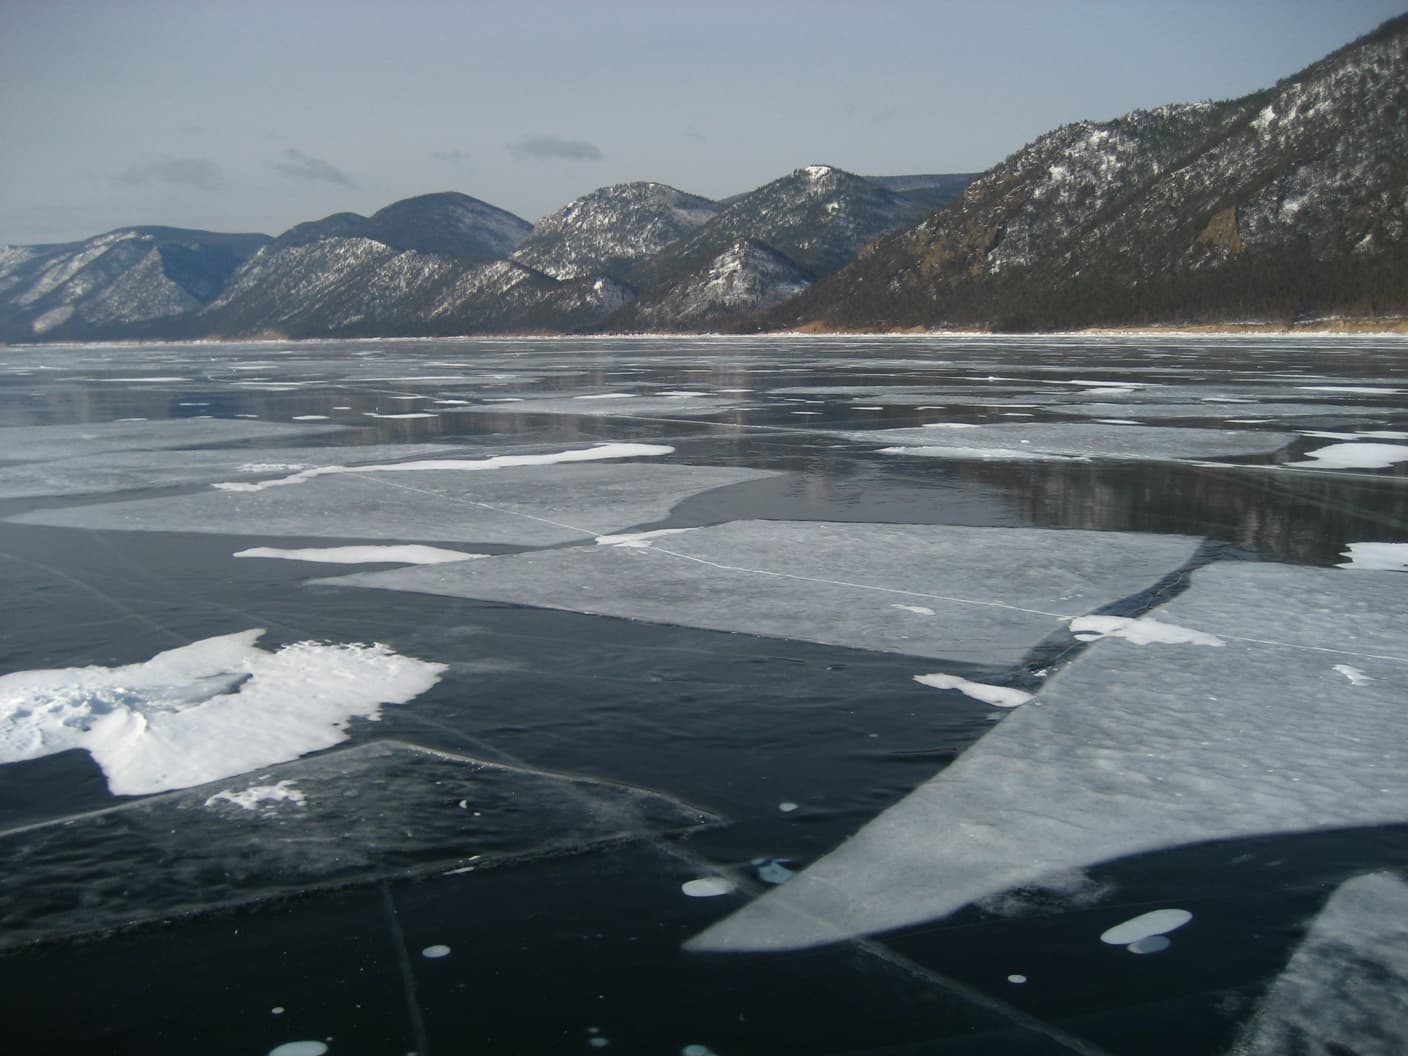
(706, 695)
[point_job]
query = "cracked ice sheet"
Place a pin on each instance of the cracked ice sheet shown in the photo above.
(41, 443)
(994, 593)
(114, 471)
(1343, 989)
(384, 808)
(534, 505)
(600, 405)
(1138, 748)
(1077, 440)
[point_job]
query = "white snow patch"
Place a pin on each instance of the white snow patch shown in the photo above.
(639, 540)
(1142, 631)
(408, 554)
(400, 417)
(1356, 677)
(255, 796)
(1355, 456)
(607, 396)
(592, 454)
(215, 708)
(998, 696)
(1378, 557)
(918, 610)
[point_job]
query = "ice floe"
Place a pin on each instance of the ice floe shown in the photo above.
(530, 505)
(409, 554)
(1343, 990)
(208, 710)
(370, 811)
(1189, 743)
(994, 592)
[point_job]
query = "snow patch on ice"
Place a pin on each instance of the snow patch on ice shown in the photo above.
(918, 610)
(998, 696)
(1356, 677)
(1377, 557)
(1142, 631)
(409, 554)
(639, 540)
(592, 454)
(1354, 456)
(255, 796)
(215, 708)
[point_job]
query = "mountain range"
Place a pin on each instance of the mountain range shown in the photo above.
(1287, 204)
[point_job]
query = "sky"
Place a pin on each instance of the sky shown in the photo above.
(257, 115)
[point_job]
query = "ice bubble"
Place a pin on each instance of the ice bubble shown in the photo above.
(773, 870)
(998, 696)
(1018, 979)
(787, 806)
(277, 1010)
(434, 953)
(1150, 944)
(299, 1048)
(697, 1050)
(708, 887)
(1157, 922)
(598, 1042)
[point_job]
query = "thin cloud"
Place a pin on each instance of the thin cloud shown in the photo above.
(449, 155)
(297, 165)
(549, 148)
(201, 173)
(691, 132)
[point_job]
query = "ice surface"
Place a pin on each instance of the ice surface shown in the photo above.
(37, 443)
(995, 592)
(131, 470)
(1380, 557)
(1079, 440)
(1344, 988)
(207, 710)
(375, 810)
(410, 554)
(1137, 749)
(998, 696)
(599, 453)
(1354, 456)
(534, 505)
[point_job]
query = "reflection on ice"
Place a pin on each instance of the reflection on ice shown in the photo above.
(376, 810)
(1191, 743)
(208, 710)
(993, 593)
(1343, 990)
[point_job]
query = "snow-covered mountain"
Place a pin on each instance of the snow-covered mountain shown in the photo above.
(612, 230)
(87, 289)
(810, 222)
(1287, 203)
